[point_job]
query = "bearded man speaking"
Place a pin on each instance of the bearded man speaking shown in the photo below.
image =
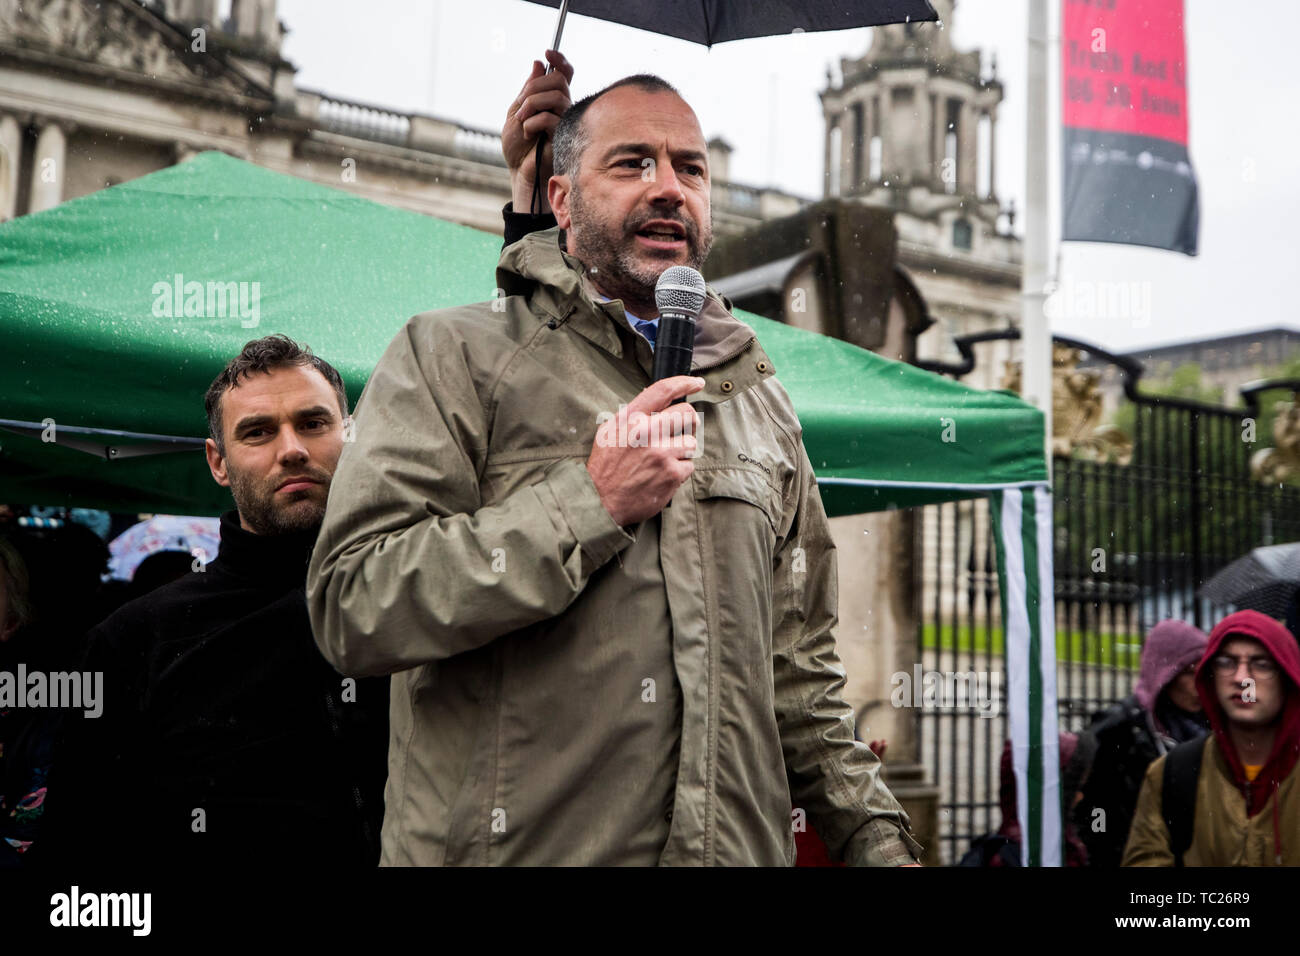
(583, 675)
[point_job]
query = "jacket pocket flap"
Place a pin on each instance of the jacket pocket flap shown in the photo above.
(743, 484)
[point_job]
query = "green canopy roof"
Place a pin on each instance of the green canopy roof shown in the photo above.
(93, 299)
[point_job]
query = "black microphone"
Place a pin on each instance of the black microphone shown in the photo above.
(679, 297)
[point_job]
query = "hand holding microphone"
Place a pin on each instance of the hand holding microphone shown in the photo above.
(643, 454)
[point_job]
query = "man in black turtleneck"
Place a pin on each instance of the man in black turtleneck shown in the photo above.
(225, 737)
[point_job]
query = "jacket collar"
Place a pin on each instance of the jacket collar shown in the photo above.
(557, 286)
(273, 560)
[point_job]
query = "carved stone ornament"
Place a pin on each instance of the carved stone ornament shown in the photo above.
(1281, 462)
(1076, 410)
(104, 33)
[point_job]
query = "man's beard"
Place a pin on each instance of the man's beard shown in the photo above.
(257, 505)
(610, 254)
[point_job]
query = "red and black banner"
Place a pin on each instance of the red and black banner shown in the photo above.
(1128, 177)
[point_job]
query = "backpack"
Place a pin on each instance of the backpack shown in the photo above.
(984, 850)
(1178, 794)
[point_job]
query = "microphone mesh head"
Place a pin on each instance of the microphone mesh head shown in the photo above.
(680, 289)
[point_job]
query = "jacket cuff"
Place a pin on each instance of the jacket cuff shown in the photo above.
(519, 224)
(578, 502)
(880, 843)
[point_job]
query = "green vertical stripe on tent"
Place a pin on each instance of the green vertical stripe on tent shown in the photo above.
(1029, 540)
(995, 513)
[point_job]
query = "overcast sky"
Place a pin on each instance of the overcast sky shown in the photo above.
(467, 61)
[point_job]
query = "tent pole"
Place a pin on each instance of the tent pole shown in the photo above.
(1035, 330)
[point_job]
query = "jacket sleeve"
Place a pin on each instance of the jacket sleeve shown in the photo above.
(834, 777)
(520, 224)
(1148, 838)
(410, 565)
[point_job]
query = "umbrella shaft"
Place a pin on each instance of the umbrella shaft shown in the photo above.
(559, 29)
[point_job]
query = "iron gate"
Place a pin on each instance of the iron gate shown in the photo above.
(1133, 543)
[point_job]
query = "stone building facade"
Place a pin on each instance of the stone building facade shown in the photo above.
(96, 93)
(911, 126)
(1226, 362)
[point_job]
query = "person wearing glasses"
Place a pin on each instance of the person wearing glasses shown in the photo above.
(1163, 711)
(1232, 799)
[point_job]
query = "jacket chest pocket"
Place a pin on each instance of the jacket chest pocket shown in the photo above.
(718, 487)
(739, 514)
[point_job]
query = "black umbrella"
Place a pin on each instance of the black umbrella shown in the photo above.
(716, 21)
(1265, 580)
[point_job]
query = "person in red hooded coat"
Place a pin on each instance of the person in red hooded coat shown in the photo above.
(1243, 808)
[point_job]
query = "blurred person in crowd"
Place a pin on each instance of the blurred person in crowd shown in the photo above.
(26, 736)
(1232, 799)
(1163, 711)
(161, 567)
(53, 593)
(581, 674)
(1002, 847)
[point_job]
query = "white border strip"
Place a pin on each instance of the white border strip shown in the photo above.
(1050, 852)
(1017, 632)
(956, 485)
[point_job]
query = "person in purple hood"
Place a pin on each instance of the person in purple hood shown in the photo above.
(1163, 711)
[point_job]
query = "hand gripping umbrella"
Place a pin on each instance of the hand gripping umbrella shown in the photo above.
(717, 21)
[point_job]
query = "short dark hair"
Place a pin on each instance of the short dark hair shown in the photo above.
(570, 138)
(263, 355)
(16, 583)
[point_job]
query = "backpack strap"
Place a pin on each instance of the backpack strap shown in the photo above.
(1178, 794)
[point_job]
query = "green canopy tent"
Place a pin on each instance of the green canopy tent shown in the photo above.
(118, 309)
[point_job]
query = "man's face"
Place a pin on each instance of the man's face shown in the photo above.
(1182, 691)
(639, 202)
(1247, 694)
(7, 626)
(283, 434)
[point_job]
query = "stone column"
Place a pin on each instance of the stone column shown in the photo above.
(832, 124)
(848, 143)
(968, 149)
(940, 127)
(11, 152)
(922, 137)
(886, 102)
(993, 154)
(48, 172)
